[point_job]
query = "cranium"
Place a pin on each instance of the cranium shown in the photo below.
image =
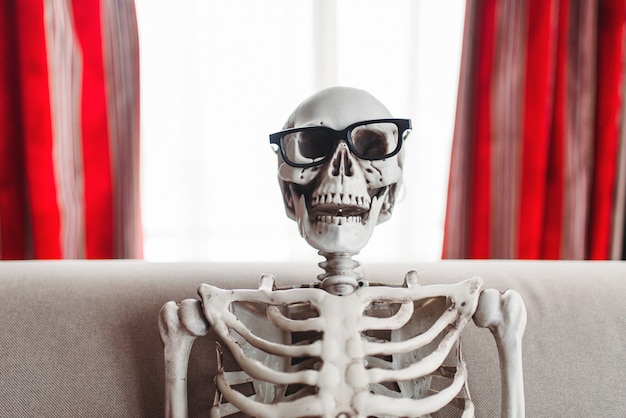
(336, 188)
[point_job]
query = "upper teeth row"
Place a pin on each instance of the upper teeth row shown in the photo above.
(341, 199)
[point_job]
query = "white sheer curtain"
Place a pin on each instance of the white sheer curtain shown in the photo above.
(219, 76)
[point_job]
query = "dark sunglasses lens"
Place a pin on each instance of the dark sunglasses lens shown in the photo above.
(308, 146)
(375, 140)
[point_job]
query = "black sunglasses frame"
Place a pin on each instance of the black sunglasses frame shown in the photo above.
(403, 125)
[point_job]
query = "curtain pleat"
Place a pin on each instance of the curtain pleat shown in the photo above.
(121, 51)
(539, 69)
(538, 143)
(13, 208)
(60, 188)
(605, 203)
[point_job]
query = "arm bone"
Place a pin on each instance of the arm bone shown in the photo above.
(504, 314)
(179, 326)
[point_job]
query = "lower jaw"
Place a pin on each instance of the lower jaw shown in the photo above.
(349, 237)
(337, 238)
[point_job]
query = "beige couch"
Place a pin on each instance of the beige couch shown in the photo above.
(80, 339)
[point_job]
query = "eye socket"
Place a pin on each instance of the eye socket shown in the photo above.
(308, 146)
(375, 140)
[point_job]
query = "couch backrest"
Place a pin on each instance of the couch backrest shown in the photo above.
(81, 338)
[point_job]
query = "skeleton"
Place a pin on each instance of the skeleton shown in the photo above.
(342, 347)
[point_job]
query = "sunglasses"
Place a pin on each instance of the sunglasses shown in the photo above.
(368, 140)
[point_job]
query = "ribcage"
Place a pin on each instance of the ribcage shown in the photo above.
(382, 351)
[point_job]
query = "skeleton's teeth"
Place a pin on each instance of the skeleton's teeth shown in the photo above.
(338, 220)
(341, 199)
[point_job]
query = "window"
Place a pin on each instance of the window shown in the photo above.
(210, 68)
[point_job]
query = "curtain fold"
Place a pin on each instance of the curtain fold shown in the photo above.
(69, 129)
(537, 168)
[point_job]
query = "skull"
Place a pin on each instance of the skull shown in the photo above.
(337, 202)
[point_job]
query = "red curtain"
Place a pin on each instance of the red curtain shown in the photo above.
(538, 158)
(69, 129)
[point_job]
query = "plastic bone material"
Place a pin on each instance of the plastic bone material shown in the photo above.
(374, 352)
(342, 348)
(504, 314)
(179, 326)
(347, 368)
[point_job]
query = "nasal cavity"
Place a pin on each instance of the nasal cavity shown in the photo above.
(341, 163)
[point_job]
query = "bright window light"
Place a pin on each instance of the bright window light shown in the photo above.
(217, 77)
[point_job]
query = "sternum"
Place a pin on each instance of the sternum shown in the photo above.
(343, 373)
